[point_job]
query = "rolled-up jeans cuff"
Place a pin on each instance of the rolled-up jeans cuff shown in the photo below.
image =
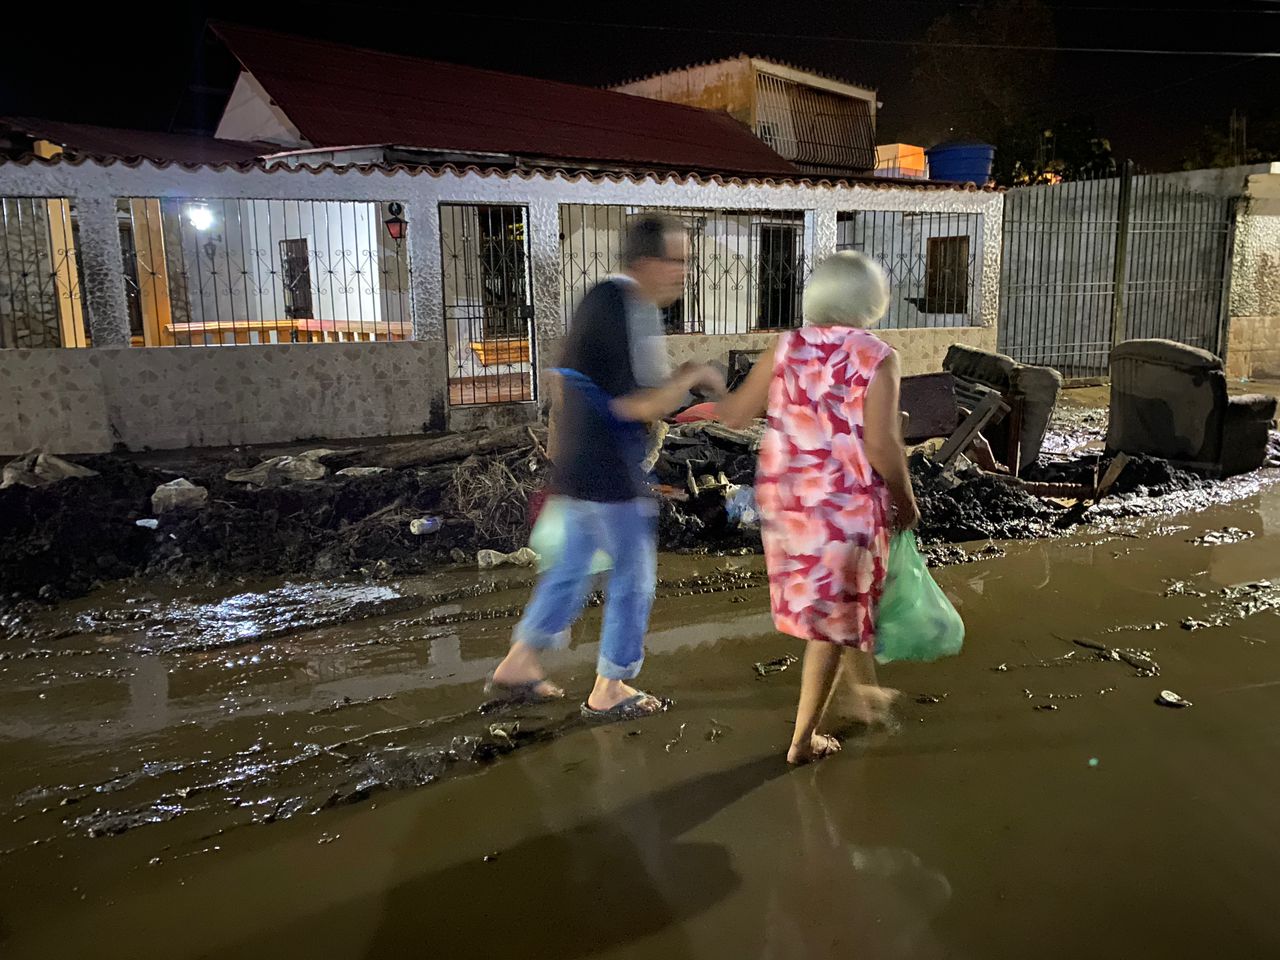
(609, 670)
(540, 639)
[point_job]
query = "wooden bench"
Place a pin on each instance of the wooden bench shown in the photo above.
(503, 352)
(300, 330)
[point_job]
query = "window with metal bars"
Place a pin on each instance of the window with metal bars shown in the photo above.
(219, 272)
(930, 260)
(746, 268)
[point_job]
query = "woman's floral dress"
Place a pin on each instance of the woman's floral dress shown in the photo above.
(825, 512)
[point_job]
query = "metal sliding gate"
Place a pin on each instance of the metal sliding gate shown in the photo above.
(1091, 263)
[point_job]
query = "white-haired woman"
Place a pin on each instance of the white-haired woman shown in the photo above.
(832, 484)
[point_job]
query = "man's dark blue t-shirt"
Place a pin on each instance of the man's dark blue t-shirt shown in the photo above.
(596, 460)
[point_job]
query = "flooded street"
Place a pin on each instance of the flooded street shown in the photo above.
(301, 771)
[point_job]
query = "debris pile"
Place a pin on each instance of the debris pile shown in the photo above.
(227, 518)
(402, 508)
(493, 492)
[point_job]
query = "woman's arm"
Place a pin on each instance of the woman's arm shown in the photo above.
(882, 439)
(750, 400)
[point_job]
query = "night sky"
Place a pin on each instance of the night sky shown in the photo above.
(146, 65)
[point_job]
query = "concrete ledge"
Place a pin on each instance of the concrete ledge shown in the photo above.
(87, 401)
(920, 349)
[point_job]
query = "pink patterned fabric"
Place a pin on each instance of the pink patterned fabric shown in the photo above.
(825, 512)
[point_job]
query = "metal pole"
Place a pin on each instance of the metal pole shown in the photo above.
(1119, 275)
(1228, 263)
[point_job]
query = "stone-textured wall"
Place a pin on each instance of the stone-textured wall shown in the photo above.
(86, 401)
(1253, 343)
(920, 350)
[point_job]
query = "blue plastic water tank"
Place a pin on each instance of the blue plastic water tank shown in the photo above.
(961, 161)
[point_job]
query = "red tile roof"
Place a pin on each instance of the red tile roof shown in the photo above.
(526, 174)
(83, 138)
(337, 95)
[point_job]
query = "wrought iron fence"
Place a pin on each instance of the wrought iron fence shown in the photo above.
(40, 303)
(488, 303)
(933, 261)
(213, 272)
(746, 269)
(1090, 263)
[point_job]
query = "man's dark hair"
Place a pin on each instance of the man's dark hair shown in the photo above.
(646, 236)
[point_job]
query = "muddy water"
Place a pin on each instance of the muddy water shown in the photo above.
(300, 771)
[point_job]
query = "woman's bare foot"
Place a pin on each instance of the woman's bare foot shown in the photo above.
(870, 704)
(820, 745)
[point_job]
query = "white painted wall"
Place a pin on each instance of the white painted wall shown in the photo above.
(251, 114)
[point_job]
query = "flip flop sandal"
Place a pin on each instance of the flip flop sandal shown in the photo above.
(521, 692)
(629, 709)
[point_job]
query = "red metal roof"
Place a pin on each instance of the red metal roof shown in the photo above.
(83, 138)
(337, 95)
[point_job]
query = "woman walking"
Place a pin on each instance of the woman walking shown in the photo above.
(832, 485)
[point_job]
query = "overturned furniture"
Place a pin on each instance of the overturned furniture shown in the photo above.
(937, 405)
(1030, 393)
(1169, 400)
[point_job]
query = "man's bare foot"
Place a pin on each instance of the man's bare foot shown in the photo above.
(521, 671)
(820, 745)
(607, 694)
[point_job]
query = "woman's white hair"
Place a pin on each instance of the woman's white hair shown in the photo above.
(847, 289)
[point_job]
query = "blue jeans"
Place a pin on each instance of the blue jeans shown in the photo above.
(628, 532)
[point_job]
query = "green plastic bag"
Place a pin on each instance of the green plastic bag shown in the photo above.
(547, 538)
(915, 620)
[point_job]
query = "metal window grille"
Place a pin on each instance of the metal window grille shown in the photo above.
(1090, 263)
(815, 128)
(217, 272)
(931, 260)
(488, 304)
(746, 269)
(40, 302)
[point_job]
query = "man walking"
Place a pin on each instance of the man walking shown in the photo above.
(615, 378)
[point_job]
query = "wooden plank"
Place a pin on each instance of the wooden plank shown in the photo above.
(153, 273)
(66, 277)
(987, 410)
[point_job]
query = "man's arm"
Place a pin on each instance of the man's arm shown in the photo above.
(654, 403)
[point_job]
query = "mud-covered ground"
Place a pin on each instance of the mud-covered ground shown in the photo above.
(65, 538)
(299, 768)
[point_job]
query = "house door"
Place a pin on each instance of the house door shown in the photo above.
(778, 280)
(684, 316)
(132, 289)
(295, 263)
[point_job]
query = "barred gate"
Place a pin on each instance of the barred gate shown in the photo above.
(488, 303)
(1091, 263)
